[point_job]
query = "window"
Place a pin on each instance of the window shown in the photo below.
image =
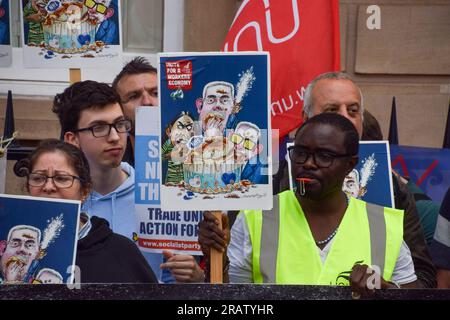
(148, 27)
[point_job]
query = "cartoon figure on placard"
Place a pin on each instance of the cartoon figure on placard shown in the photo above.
(34, 13)
(246, 141)
(174, 149)
(213, 164)
(218, 107)
(213, 167)
(100, 13)
(70, 26)
(351, 184)
(4, 23)
(18, 252)
(355, 184)
(48, 276)
(215, 107)
(21, 253)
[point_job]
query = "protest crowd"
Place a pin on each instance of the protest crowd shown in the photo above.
(318, 230)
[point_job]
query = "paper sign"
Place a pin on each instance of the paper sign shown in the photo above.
(38, 239)
(158, 230)
(71, 34)
(215, 129)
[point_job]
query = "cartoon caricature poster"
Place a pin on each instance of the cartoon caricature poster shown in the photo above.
(158, 230)
(371, 180)
(38, 238)
(71, 33)
(215, 131)
(5, 35)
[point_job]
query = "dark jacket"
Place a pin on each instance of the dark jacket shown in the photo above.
(412, 230)
(414, 236)
(107, 257)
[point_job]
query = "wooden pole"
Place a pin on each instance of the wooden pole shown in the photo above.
(75, 75)
(216, 256)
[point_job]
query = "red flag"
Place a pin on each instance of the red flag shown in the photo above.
(303, 40)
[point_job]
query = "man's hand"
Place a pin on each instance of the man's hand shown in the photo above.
(183, 267)
(364, 281)
(210, 235)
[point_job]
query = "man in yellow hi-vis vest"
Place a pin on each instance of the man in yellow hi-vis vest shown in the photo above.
(316, 235)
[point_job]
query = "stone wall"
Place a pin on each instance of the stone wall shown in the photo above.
(34, 121)
(408, 57)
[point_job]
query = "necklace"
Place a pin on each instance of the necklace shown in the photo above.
(331, 236)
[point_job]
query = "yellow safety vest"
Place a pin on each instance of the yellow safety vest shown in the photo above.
(285, 252)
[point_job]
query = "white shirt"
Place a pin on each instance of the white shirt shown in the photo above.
(241, 265)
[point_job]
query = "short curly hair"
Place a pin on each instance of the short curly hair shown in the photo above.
(81, 96)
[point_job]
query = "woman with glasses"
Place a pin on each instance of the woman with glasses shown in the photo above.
(56, 169)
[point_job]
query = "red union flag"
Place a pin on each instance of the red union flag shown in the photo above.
(303, 40)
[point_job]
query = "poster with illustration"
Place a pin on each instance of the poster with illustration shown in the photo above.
(158, 230)
(215, 131)
(71, 33)
(5, 34)
(371, 180)
(38, 239)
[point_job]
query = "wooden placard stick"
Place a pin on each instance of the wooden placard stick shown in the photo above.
(216, 256)
(75, 75)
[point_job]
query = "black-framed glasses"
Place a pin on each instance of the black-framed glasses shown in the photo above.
(238, 139)
(322, 159)
(62, 181)
(103, 130)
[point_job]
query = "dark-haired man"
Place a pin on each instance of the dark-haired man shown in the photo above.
(137, 85)
(92, 119)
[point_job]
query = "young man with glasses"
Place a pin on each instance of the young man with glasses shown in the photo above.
(92, 119)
